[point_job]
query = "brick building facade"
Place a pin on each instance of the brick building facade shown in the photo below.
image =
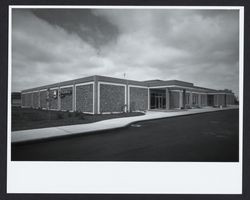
(100, 94)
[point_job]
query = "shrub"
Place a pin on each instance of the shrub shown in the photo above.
(81, 117)
(59, 116)
(77, 113)
(69, 114)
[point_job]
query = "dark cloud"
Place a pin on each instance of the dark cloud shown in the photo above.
(91, 28)
(199, 46)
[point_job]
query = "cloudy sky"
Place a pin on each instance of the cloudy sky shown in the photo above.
(53, 45)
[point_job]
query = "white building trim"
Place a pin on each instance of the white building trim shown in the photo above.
(27, 92)
(85, 83)
(148, 98)
(183, 87)
(66, 86)
(109, 83)
(175, 90)
(199, 93)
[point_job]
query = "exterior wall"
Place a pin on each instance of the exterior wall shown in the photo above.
(23, 97)
(138, 98)
(203, 100)
(107, 94)
(29, 99)
(66, 100)
(187, 101)
(111, 98)
(229, 99)
(221, 100)
(43, 99)
(174, 99)
(53, 100)
(195, 99)
(36, 99)
(84, 98)
(167, 99)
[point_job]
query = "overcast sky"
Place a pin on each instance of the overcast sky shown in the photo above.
(53, 45)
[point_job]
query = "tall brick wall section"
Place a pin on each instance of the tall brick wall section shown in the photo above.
(36, 99)
(112, 98)
(67, 100)
(23, 97)
(138, 98)
(84, 98)
(43, 101)
(52, 99)
(29, 99)
(174, 99)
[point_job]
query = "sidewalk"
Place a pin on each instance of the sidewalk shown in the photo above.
(45, 133)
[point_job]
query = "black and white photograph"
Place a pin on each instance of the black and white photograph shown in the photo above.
(134, 90)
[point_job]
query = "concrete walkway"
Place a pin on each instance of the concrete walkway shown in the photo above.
(45, 133)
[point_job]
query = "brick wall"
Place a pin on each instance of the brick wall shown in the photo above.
(23, 97)
(84, 98)
(203, 100)
(112, 98)
(43, 101)
(174, 99)
(36, 99)
(52, 100)
(67, 100)
(29, 99)
(138, 99)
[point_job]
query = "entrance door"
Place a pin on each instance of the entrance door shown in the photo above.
(210, 100)
(159, 102)
(158, 99)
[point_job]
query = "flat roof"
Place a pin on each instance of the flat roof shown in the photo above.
(147, 83)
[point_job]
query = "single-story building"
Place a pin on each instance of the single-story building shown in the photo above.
(101, 94)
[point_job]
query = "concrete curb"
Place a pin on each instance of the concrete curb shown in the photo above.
(64, 133)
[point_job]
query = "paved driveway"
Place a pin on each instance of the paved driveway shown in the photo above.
(202, 137)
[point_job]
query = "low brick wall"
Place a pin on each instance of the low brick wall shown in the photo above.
(112, 98)
(138, 99)
(84, 98)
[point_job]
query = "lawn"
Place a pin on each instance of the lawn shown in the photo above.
(27, 118)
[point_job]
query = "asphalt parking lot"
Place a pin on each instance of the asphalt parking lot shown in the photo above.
(206, 137)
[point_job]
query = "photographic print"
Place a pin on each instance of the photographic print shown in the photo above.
(126, 89)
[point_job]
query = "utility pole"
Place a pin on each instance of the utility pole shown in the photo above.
(126, 105)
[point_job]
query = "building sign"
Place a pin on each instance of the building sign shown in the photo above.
(55, 92)
(64, 93)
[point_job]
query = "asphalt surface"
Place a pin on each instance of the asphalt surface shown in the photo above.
(206, 137)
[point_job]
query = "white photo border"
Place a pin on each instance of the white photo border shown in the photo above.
(126, 177)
